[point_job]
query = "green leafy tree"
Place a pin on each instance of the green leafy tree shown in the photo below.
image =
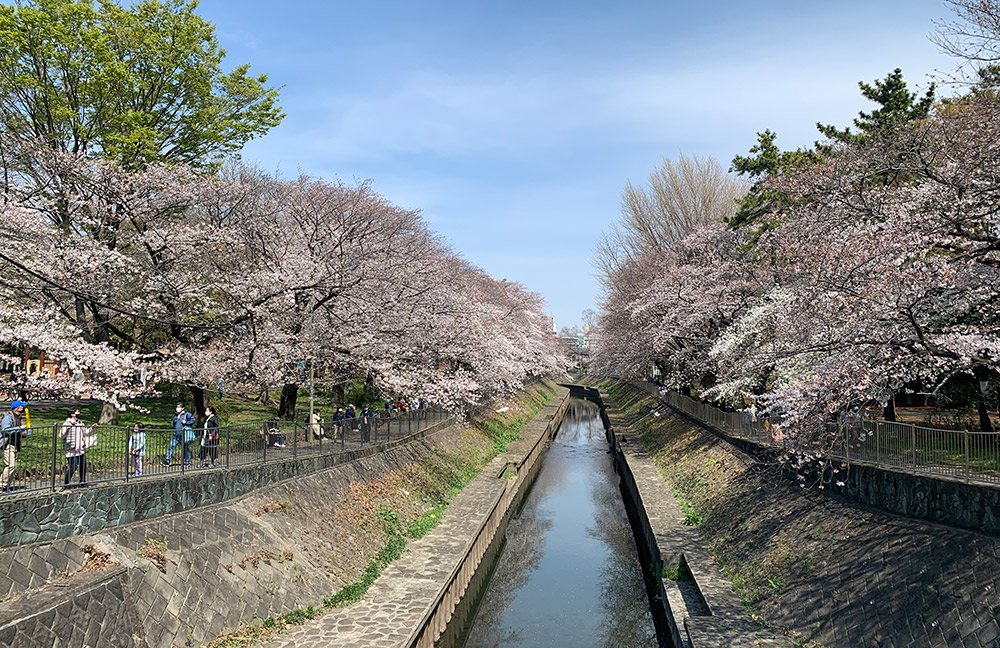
(138, 85)
(766, 160)
(897, 107)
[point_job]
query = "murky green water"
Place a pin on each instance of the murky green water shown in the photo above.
(569, 574)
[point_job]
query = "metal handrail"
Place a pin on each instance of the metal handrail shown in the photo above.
(963, 454)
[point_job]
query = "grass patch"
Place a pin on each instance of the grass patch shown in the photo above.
(430, 519)
(677, 573)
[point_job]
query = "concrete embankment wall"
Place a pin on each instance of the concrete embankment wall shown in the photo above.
(945, 500)
(815, 568)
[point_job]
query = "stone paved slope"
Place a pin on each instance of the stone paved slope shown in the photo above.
(821, 570)
(192, 576)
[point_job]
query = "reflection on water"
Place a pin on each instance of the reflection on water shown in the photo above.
(569, 574)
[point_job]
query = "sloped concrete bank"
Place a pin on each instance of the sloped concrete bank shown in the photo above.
(418, 596)
(950, 500)
(186, 578)
(813, 568)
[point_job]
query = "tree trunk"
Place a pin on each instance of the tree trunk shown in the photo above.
(889, 413)
(985, 424)
(109, 414)
(197, 402)
(289, 394)
(370, 395)
(337, 395)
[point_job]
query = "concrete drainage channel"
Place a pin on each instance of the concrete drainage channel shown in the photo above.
(692, 606)
(456, 598)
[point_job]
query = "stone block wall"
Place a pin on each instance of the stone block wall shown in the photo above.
(219, 565)
(92, 612)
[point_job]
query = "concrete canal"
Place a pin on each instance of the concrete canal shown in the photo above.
(568, 573)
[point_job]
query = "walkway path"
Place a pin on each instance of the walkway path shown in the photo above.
(396, 602)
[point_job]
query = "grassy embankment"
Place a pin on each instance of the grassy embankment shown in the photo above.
(406, 505)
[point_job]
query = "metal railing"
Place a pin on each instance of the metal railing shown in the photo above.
(962, 454)
(111, 453)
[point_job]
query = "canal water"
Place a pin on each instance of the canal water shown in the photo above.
(569, 574)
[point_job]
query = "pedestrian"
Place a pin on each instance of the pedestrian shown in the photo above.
(274, 436)
(183, 435)
(76, 438)
(316, 425)
(338, 423)
(209, 438)
(11, 431)
(137, 447)
(220, 384)
(366, 424)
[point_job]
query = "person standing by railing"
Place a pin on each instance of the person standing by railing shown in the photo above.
(76, 437)
(11, 430)
(366, 424)
(137, 447)
(316, 425)
(183, 434)
(209, 438)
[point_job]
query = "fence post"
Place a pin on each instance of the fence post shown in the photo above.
(913, 446)
(967, 473)
(295, 438)
(55, 439)
(847, 440)
(127, 435)
(227, 445)
(267, 442)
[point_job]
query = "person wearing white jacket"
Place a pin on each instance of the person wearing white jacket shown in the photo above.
(75, 436)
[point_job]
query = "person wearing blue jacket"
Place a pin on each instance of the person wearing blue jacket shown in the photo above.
(11, 430)
(183, 434)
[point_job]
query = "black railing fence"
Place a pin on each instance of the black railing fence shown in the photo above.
(963, 454)
(116, 454)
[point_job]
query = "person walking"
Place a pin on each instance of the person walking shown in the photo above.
(75, 436)
(137, 447)
(11, 431)
(183, 435)
(209, 438)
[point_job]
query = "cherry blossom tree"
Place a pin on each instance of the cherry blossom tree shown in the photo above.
(243, 276)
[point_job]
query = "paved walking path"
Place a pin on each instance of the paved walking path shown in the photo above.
(395, 604)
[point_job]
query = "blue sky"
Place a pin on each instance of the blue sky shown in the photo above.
(513, 126)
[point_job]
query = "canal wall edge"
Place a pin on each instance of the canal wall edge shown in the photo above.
(702, 612)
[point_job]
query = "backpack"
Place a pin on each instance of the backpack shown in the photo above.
(5, 438)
